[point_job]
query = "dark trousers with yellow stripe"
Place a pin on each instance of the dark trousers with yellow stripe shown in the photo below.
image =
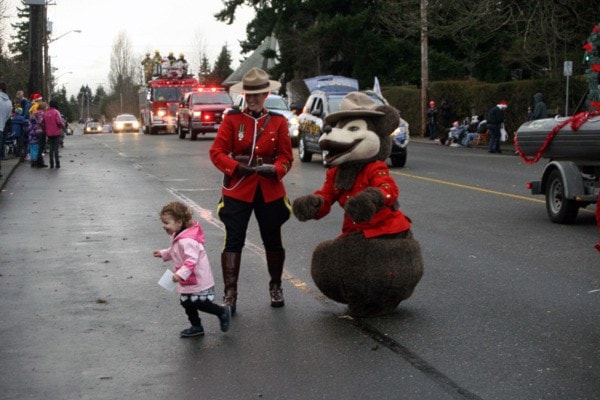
(236, 214)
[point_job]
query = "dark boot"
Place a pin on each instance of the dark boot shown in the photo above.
(230, 264)
(275, 260)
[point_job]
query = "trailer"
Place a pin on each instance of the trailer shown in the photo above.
(571, 179)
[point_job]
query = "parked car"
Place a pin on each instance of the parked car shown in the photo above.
(126, 123)
(92, 127)
(278, 104)
(107, 128)
(320, 104)
(201, 111)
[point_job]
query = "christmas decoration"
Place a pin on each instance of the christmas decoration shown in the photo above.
(592, 57)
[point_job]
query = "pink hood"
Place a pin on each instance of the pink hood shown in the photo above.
(194, 231)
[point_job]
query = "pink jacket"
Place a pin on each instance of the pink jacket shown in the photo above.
(190, 261)
(53, 122)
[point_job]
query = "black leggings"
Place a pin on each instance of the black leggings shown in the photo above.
(54, 142)
(192, 308)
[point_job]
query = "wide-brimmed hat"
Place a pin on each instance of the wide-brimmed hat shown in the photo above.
(255, 81)
(355, 104)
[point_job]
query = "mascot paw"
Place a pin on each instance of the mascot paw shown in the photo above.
(307, 207)
(363, 206)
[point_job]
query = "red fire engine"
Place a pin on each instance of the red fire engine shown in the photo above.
(159, 102)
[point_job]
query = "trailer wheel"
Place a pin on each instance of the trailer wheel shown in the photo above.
(560, 209)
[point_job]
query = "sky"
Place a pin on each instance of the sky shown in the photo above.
(165, 25)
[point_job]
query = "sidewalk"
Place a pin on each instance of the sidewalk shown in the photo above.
(6, 169)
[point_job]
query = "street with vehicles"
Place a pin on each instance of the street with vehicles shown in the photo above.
(507, 307)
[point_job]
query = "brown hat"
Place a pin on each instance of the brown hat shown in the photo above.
(355, 104)
(255, 81)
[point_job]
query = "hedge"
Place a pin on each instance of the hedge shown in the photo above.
(467, 98)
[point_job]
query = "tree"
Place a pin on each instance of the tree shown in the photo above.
(199, 54)
(14, 64)
(19, 45)
(222, 67)
(204, 72)
(122, 77)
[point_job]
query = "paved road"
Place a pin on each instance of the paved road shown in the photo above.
(507, 309)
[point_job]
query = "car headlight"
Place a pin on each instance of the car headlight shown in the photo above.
(119, 125)
(136, 125)
(197, 114)
(161, 113)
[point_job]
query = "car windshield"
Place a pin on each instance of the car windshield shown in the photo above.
(93, 124)
(276, 103)
(211, 98)
(167, 93)
(125, 118)
(335, 103)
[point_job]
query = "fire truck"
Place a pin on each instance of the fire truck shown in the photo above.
(159, 102)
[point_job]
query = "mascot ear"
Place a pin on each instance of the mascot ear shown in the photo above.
(389, 121)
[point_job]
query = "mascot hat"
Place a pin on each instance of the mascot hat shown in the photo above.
(355, 104)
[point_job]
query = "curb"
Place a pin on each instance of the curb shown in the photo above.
(7, 167)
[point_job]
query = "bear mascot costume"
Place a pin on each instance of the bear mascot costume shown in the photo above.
(375, 262)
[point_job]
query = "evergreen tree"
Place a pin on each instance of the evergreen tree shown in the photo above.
(204, 73)
(19, 46)
(222, 67)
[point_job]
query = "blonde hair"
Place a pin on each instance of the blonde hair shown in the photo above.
(179, 212)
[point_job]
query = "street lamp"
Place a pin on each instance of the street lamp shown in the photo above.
(61, 75)
(64, 34)
(47, 69)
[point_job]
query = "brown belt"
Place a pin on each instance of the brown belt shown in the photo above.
(256, 161)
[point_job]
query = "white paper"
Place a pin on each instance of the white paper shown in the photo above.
(166, 281)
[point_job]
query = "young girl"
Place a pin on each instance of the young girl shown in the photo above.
(191, 268)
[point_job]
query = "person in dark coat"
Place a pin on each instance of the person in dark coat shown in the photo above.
(539, 107)
(495, 119)
(432, 115)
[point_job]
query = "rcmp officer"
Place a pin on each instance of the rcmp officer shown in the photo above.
(254, 151)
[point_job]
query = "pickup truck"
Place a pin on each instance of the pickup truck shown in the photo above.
(201, 111)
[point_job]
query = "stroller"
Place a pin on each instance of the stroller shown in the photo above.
(11, 145)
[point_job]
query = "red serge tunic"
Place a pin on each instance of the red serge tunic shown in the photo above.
(377, 175)
(235, 137)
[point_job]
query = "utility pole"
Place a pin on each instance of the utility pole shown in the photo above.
(424, 65)
(37, 27)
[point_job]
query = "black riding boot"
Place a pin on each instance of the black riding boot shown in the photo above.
(275, 260)
(230, 264)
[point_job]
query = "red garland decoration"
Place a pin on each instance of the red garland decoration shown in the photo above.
(576, 121)
(596, 68)
(596, 29)
(588, 47)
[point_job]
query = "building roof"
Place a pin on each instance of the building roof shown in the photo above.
(256, 59)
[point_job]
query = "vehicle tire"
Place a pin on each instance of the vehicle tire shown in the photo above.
(152, 130)
(305, 156)
(180, 131)
(560, 210)
(194, 135)
(399, 160)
